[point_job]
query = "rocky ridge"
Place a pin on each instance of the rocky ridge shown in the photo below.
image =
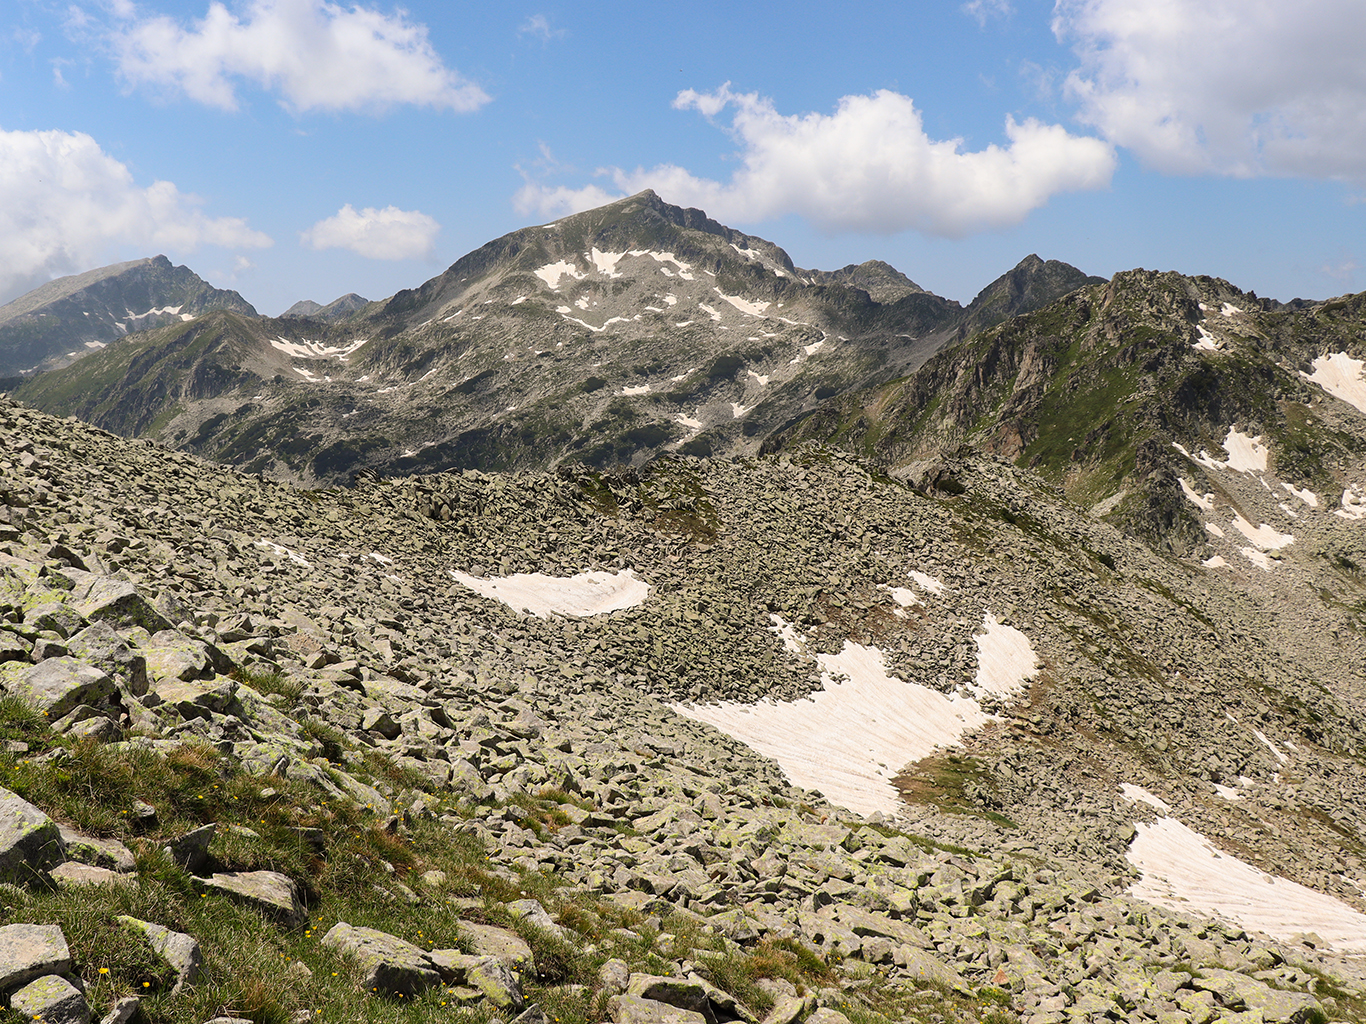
(347, 774)
(608, 337)
(58, 323)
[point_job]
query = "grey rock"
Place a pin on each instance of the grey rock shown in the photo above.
(495, 979)
(392, 966)
(614, 976)
(490, 940)
(687, 995)
(30, 841)
(532, 912)
(274, 894)
(104, 853)
(57, 685)
(29, 951)
(629, 1009)
(124, 1011)
(73, 874)
(51, 1000)
(178, 950)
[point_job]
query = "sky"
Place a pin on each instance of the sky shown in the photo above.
(303, 149)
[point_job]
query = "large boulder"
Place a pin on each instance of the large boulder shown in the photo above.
(51, 1000)
(176, 949)
(29, 951)
(274, 894)
(55, 686)
(392, 966)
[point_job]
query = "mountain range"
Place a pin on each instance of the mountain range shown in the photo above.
(1007, 668)
(607, 337)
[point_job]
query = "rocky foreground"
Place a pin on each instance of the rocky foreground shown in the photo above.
(266, 758)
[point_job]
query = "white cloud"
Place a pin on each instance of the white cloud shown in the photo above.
(982, 10)
(318, 55)
(538, 25)
(67, 206)
(1238, 87)
(560, 201)
(387, 234)
(870, 167)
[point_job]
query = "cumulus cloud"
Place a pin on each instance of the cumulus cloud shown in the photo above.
(871, 167)
(67, 206)
(387, 234)
(1237, 87)
(317, 55)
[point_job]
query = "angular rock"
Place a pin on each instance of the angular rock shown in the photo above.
(490, 940)
(73, 875)
(629, 1009)
(29, 951)
(191, 851)
(495, 979)
(104, 853)
(178, 950)
(51, 1000)
(789, 1010)
(101, 646)
(532, 912)
(924, 967)
(56, 616)
(270, 892)
(392, 966)
(123, 1011)
(827, 1015)
(30, 841)
(686, 995)
(1239, 992)
(55, 686)
(113, 600)
(614, 976)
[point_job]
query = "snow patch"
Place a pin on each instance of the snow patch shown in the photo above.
(760, 377)
(1207, 342)
(743, 305)
(1341, 376)
(1215, 530)
(1353, 503)
(606, 262)
(1206, 502)
(813, 348)
(280, 549)
(926, 582)
(1307, 496)
(643, 389)
(1258, 558)
(1136, 794)
(851, 738)
(1184, 872)
(1215, 562)
(690, 422)
(315, 349)
(1265, 537)
(94, 345)
(552, 273)
(738, 411)
(588, 593)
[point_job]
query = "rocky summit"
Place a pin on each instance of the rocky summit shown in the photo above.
(772, 739)
(608, 337)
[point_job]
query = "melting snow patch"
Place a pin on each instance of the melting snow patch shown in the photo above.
(716, 317)
(761, 378)
(519, 300)
(1353, 504)
(690, 422)
(1245, 454)
(904, 596)
(1258, 558)
(581, 302)
(1183, 871)
(737, 410)
(1136, 794)
(280, 549)
(1215, 530)
(813, 348)
(1265, 537)
(1341, 376)
(1216, 562)
(849, 739)
(643, 389)
(315, 349)
(588, 593)
(1229, 309)
(1307, 496)
(1207, 342)
(551, 273)
(927, 583)
(1271, 746)
(1229, 793)
(1206, 502)
(744, 306)
(1005, 658)
(606, 262)
(94, 344)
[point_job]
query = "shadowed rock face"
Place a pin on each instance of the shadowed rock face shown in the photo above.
(607, 338)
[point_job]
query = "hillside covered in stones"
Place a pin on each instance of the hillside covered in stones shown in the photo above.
(772, 739)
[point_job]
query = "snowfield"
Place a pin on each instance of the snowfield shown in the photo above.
(588, 593)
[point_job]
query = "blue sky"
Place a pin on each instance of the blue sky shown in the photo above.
(303, 149)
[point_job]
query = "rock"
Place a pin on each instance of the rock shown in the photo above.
(495, 979)
(789, 1010)
(102, 647)
(73, 874)
(379, 721)
(29, 951)
(532, 912)
(924, 967)
(490, 940)
(55, 686)
(124, 1011)
(191, 851)
(104, 853)
(107, 599)
(533, 1014)
(50, 1000)
(392, 966)
(1239, 992)
(55, 616)
(827, 1015)
(614, 976)
(686, 995)
(30, 841)
(274, 894)
(178, 950)
(629, 1009)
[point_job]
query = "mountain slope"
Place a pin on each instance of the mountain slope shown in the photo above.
(607, 337)
(1113, 391)
(64, 319)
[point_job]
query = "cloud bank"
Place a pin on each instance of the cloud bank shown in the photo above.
(868, 167)
(387, 234)
(1235, 87)
(316, 55)
(66, 206)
